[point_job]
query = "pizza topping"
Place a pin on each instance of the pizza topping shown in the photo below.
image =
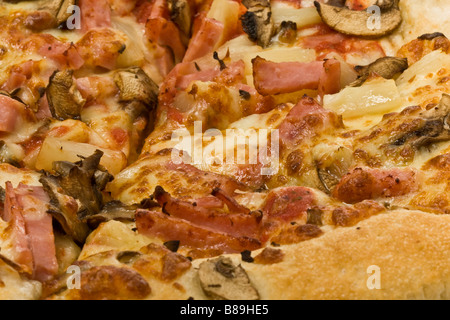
(94, 14)
(257, 22)
(288, 204)
(366, 183)
(386, 67)
(332, 166)
(221, 279)
(39, 228)
(285, 77)
(236, 223)
(101, 48)
(431, 126)
(306, 120)
(21, 253)
(50, 14)
(167, 228)
(64, 99)
(10, 111)
(75, 192)
(204, 39)
(30, 231)
(353, 22)
(134, 84)
(113, 210)
(181, 14)
(288, 32)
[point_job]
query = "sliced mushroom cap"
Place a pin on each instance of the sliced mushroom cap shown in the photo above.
(64, 100)
(356, 23)
(75, 194)
(433, 127)
(333, 166)
(114, 210)
(257, 22)
(386, 67)
(63, 12)
(221, 279)
(135, 85)
(181, 14)
(50, 14)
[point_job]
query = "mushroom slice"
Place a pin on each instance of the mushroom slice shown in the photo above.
(64, 100)
(114, 210)
(221, 279)
(386, 67)
(50, 14)
(356, 23)
(134, 84)
(257, 22)
(333, 166)
(433, 127)
(63, 11)
(76, 193)
(181, 14)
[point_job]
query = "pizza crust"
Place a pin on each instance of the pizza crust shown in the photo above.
(410, 248)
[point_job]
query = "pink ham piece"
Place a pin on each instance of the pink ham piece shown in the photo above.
(288, 204)
(10, 113)
(271, 78)
(16, 231)
(366, 183)
(33, 243)
(204, 40)
(34, 203)
(167, 228)
(94, 14)
(306, 120)
(19, 75)
(166, 34)
(65, 54)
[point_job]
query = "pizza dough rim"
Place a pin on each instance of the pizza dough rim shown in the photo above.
(410, 248)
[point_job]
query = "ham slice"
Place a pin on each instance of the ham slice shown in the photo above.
(167, 228)
(94, 14)
(238, 222)
(10, 112)
(31, 231)
(271, 78)
(205, 40)
(19, 243)
(288, 204)
(39, 228)
(367, 183)
(306, 120)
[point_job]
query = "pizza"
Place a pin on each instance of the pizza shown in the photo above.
(224, 149)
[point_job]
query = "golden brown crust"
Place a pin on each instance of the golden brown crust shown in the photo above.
(410, 248)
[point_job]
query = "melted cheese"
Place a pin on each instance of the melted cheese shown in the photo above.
(426, 80)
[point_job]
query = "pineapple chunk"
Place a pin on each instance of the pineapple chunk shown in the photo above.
(226, 12)
(54, 149)
(302, 17)
(378, 96)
